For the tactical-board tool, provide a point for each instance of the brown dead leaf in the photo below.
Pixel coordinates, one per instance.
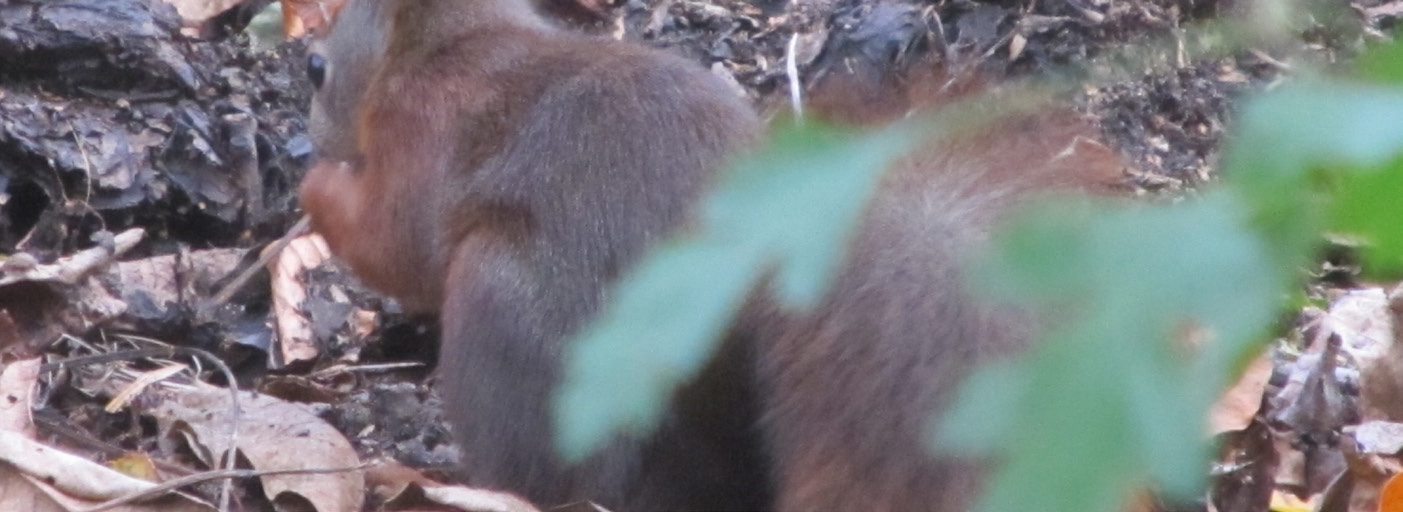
(1391, 496)
(41, 299)
(402, 487)
(302, 17)
(35, 477)
(273, 435)
(70, 474)
(16, 396)
(298, 388)
(1246, 470)
(294, 329)
(1237, 406)
(158, 284)
(154, 281)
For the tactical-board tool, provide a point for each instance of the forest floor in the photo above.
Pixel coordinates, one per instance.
(111, 120)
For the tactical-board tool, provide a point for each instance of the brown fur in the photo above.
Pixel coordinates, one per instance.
(478, 162)
(850, 390)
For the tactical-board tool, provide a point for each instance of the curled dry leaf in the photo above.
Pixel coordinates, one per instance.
(400, 486)
(294, 329)
(1350, 370)
(1363, 321)
(35, 477)
(16, 396)
(273, 435)
(42, 301)
(476, 500)
(1315, 402)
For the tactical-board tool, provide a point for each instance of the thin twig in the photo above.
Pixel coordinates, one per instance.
(791, 70)
(271, 252)
(227, 474)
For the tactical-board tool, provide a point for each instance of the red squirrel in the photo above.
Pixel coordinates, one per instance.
(480, 162)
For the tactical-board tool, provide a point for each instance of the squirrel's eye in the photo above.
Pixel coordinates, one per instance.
(316, 69)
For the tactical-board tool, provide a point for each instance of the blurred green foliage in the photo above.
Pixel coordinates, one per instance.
(1114, 397)
(788, 207)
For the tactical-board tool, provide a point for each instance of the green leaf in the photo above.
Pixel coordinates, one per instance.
(1298, 129)
(1383, 64)
(989, 400)
(788, 208)
(1113, 397)
(1368, 204)
(801, 198)
(664, 325)
(1300, 126)
(265, 30)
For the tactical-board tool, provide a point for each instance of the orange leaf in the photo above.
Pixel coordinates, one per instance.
(1391, 497)
(301, 17)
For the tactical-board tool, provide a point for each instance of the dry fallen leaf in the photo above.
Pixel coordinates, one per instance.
(39, 478)
(16, 390)
(72, 268)
(1315, 401)
(1391, 496)
(403, 487)
(273, 435)
(294, 329)
(302, 17)
(1237, 406)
